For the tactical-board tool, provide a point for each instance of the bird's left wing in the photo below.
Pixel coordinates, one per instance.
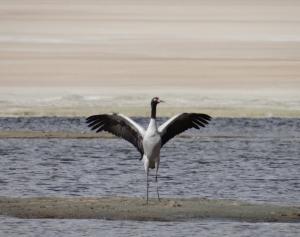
(181, 122)
(119, 125)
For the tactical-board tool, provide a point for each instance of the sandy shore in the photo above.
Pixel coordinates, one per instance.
(225, 58)
(127, 208)
(216, 44)
(215, 110)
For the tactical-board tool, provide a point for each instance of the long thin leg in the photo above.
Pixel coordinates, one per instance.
(156, 180)
(147, 184)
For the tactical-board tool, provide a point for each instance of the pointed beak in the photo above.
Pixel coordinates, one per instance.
(161, 101)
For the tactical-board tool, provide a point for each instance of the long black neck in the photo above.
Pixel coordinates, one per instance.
(153, 110)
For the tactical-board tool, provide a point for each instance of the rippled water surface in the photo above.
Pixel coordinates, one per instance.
(256, 160)
(91, 228)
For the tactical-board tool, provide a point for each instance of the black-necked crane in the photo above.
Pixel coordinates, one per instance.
(150, 141)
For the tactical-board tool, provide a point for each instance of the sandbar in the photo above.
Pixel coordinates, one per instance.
(134, 208)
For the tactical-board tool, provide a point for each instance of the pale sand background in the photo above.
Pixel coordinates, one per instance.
(223, 57)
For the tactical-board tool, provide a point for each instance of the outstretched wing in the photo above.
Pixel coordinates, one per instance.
(119, 125)
(181, 122)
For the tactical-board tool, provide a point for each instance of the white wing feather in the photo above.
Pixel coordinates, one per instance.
(166, 124)
(134, 124)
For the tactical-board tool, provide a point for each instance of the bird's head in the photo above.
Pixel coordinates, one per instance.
(156, 101)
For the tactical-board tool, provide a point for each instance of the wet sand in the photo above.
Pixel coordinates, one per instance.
(75, 135)
(47, 135)
(129, 208)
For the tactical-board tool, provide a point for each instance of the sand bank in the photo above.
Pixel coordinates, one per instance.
(47, 135)
(143, 111)
(105, 135)
(76, 135)
(129, 208)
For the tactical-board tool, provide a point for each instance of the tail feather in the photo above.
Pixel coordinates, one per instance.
(152, 164)
(148, 163)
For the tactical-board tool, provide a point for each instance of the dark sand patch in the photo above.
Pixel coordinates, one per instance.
(47, 135)
(128, 208)
(104, 135)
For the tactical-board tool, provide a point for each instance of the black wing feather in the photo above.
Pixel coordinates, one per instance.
(183, 122)
(118, 126)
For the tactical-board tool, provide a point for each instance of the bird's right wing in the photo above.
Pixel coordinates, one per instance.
(181, 122)
(119, 125)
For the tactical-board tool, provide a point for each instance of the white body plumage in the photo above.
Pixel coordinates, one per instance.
(151, 145)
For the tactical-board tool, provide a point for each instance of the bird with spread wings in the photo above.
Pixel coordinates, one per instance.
(150, 141)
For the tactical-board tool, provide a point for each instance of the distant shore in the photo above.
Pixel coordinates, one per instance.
(143, 111)
(223, 58)
(134, 101)
(129, 208)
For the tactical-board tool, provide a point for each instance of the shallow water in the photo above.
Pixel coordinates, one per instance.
(90, 228)
(256, 160)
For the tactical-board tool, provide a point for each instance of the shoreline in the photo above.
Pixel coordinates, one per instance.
(142, 111)
(19, 134)
(49, 135)
(131, 208)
